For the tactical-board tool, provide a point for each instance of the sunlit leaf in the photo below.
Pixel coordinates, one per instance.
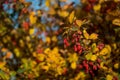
(79, 22)
(73, 57)
(45, 68)
(54, 39)
(2, 64)
(73, 65)
(41, 57)
(94, 48)
(93, 36)
(86, 35)
(96, 7)
(116, 22)
(63, 13)
(93, 57)
(116, 65)
(108, 47)
(104, 51)
(109, 77)
(71, 17)
(31, 31)
(88, 56)
(47, 3)
(32, 18)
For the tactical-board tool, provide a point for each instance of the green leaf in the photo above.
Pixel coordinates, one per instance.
(20, 70)
(93, 47)
(3, 75)
(13, 73)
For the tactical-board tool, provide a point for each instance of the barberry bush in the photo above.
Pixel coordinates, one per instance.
(60, 39)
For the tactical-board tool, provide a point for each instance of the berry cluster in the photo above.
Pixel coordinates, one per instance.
(76, 37)
(89, 66)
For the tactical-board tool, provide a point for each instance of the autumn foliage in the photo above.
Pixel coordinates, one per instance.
(60, 39)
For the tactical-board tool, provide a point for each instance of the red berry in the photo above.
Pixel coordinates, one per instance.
(91, 1)
(80, 66)
(78, 47)
(94, 67)
(74, 35)
(80, 51)
(91, 72)
(75, 48)
(98, 60)
(98, 66)
(76, 39)
(115, 78)
(64, 71)
(100, 46)
(91, 63)
(88, 7)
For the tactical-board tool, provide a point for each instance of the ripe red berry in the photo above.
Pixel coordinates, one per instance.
(91, 63)
(94, 67)
(78, 47)
(80, 66)
(91, 72)
(75, 48)
(91, 1)
(98, 66)
(88, 7)
(98, 60)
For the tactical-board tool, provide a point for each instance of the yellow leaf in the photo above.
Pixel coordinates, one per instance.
(116, 66)
(51, 11)
(102, 66)
(80, 76)
(31, 31)
(116, 22)
(114, 45)
(108, 47)
(94, 57)
(101, 1)
(41, 57)
(73, 57)
(47, 50)
(97, 7)
(55, 49)
(116, 0)
(88, 56)
(34, 54)
(28, 38)
(54, 39)
(104, 51)
(79, 22)
(2, 64)
(86, 35)
(63, 13)
(32, 18)
(59, 70)
(71, 17)
(48, 40)
(93, 36)
(47, 3)
(109, 77)
(45, 68)
(73, 65)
